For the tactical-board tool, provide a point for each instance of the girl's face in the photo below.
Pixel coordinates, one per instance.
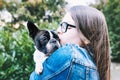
(67, 31)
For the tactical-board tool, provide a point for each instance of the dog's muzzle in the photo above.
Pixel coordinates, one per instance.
(52, 45)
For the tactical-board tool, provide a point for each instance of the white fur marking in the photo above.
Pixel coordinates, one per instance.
(51, 36)
(39, 58)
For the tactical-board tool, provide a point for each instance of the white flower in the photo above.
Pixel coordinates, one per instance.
(5, 16)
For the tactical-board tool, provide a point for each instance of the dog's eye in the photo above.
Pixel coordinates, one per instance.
(44, 38)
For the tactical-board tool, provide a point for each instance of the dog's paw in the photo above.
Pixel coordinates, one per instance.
(38, 69)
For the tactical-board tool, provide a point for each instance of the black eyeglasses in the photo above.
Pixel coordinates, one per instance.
(64, 26)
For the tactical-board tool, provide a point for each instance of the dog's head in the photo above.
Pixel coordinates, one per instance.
(45, 41)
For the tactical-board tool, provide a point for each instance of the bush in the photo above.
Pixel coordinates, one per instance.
(16, 47)
(16, 62)
(16, 52)
(112, 13)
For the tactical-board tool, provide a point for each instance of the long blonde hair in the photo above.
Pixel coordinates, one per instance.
(92, 24)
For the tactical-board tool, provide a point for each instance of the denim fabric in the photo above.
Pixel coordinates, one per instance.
(69, 62)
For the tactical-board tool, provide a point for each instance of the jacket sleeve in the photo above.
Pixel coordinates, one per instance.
(55, 66)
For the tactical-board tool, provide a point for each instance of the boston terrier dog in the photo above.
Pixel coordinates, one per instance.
(46, 42)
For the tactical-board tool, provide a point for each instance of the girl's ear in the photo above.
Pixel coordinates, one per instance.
(33, 30)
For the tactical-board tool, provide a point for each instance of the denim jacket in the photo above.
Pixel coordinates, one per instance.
(69, 62)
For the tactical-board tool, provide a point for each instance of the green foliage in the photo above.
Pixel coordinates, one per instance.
(15, 54)
(35, 11)
(112, 13)
(16, 47)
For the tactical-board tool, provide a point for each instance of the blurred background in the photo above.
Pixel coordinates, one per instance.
(16, 47)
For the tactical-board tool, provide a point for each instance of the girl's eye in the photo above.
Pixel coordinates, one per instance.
(69, 27)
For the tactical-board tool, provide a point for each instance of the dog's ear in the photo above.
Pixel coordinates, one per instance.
(33, 30)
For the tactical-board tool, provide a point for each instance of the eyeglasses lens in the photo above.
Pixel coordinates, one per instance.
(64, 26)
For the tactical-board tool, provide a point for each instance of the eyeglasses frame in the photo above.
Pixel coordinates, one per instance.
(66, 26)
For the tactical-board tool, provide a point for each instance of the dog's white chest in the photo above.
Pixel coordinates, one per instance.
(39, 58)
